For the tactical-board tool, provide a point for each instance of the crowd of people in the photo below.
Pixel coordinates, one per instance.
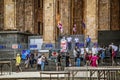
(95, 55)
(85, 56)
(33, 60)
(91, 55)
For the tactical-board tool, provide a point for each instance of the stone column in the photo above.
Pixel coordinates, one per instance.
(29, 15)
(20, 13)
(65, 15)
(104, 15)
(1, 14)
(90, 16)
(49, 21)
(9, 14)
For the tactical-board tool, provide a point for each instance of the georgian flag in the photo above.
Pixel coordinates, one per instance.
(74, 28)
(60, 27)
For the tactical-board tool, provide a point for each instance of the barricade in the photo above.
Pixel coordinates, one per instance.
(55, 74)
(95, 73)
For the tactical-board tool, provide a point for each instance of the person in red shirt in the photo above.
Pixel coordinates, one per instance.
(94, 60)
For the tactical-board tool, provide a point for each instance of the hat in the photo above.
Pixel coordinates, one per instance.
(18, 54)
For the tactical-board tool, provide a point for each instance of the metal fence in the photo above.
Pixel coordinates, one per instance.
(94, 73)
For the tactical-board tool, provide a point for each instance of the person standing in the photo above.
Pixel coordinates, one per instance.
(69, 42)
(88, 41)
(43, 62)
(113, 51)
(67, 60)
(94, 62)
(58, 62)
(27, 61)
(63, 45)
(18, 61)
(94, 50)
(39, 61)
(31, 60)
(78, 60)
(76, 41)
(75, 52)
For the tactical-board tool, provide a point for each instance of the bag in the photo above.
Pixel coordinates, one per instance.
(46, 62)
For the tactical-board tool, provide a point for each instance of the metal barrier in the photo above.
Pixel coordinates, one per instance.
(55, 74)
(94, 73)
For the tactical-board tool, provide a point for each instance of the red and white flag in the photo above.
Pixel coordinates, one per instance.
(60, 27)
(74, 28)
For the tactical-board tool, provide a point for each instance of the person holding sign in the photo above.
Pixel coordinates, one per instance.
(63, 45)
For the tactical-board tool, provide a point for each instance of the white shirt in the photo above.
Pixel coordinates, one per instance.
(76, 39)
(69, 39)
(87, 49)
(39, 61)
(114, 47)
(94, 50)
(75, 53)
(82, 50)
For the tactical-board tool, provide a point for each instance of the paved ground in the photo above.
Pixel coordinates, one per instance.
(36, 75)
(20, 75)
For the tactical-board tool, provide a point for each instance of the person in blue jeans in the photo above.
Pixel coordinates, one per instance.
(78, 60)
(42, 62)
(102, 55)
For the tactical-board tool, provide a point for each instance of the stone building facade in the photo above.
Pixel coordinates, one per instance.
(42, 16)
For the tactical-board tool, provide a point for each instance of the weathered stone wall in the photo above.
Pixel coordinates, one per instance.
(1, 14)
(20, 13)
(77, 16)
(9, 14)
(29, 15)
(115, 15)
(38, 14)
(65, 15)
(49, 21)
(91, 19)
(24, 15)
(103, 14)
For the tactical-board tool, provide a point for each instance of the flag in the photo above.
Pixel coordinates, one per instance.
(74, 28)
(60, 27)
(83, 25)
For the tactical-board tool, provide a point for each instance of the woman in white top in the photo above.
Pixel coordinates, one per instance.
(42, 62)
(39, 61)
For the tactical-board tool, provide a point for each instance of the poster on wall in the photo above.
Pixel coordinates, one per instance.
(35, 44)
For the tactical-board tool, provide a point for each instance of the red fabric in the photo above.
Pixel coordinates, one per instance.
(94, 61)
(113, 54)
